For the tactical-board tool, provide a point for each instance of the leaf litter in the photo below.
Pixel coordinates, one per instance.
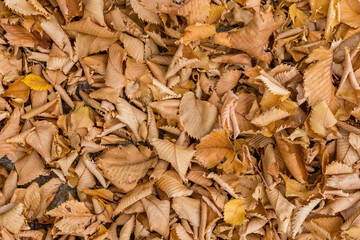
(186, 119)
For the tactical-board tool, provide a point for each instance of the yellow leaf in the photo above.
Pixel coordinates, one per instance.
(298, 17)
(36, 82)
(234, 212)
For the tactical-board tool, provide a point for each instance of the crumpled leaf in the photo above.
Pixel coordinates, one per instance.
(187, 208)
(300, 216)
(177, 155)
(349, 13)
(131, 116)
(144, 13)
(214, 148)
(19, 36)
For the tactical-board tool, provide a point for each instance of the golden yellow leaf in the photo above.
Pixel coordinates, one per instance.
(296, 189)
(234, 212)
(36, 82)
(214, 149)
(298, 17)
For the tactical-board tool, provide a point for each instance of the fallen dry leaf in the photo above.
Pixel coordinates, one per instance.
(194, 119)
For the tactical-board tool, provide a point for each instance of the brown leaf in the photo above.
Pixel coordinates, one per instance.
(177, 155)
(293, 158)
(253, 37)
(158, 212)
(124, 166)
(40, 139)
(214, 149)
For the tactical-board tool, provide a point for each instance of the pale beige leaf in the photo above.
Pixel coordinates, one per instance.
(133, 46)
(95, 10)
(114, 76)
(300, 216)
(127, 229)
(179, 233)
(273, 115)
(282, 207)
(195, 11)
(144, 13)
(19, 36)
(158, 212)
(349, 13)
(336, 167)
(87, 44)
(24, 7)
(170, 183)
(253, 37)
(40, 139)
(76, 219)
(177, 155)
(197, 116)
(86, 25)
(227, 81)
(344, 181)
(139, 192)
(13, 220)
(32, 200)
(187, 208)
(29, 167)
(321, 118)
(131, 116)
(124, 166)
(57, 34)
